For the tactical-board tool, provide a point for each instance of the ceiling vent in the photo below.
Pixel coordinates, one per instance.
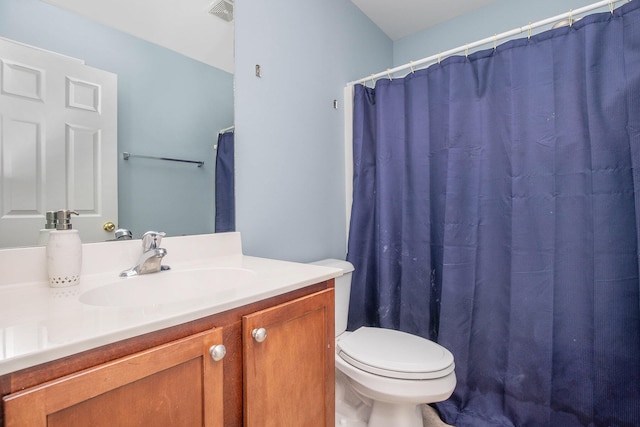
(223, 9)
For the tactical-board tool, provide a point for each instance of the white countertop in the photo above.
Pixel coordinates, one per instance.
(39, 323)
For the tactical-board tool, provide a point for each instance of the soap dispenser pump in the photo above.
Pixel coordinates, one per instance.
(64, 251)
(43, 238)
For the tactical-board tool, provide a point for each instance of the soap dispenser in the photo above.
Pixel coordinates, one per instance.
(64, 252)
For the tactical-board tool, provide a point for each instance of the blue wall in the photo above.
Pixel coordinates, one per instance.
(168, 105)
(289, 139)
(501, 16)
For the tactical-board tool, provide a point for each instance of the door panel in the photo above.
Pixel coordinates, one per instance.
(58, 143)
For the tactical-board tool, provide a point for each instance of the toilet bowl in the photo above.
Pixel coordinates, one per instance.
(384, 375)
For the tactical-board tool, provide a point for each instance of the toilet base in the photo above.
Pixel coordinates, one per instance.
(395, 414)
(355, 410)
(352, 409)
(384, 402)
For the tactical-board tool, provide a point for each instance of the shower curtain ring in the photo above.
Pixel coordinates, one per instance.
(570, 17)
(611, 7)
(389, 75)
(411, 67)
(466, 50)
(439, 54)
(529, 32)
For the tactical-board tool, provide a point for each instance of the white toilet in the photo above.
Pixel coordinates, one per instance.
(383, 375)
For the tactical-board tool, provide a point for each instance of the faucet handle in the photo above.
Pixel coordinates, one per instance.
(151, 240)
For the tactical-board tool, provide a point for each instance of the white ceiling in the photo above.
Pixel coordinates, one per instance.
(400, 18)
(186, 26)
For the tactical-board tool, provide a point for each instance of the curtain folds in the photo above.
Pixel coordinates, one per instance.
(496, 211)
(225, 184)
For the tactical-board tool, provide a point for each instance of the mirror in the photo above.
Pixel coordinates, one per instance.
(172, 102)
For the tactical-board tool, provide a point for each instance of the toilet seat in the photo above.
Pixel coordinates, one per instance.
(394, 354)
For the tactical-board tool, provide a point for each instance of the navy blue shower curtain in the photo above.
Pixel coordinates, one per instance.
(496, 211)
(225, 184)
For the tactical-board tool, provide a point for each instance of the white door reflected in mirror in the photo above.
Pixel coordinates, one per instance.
(58, 141)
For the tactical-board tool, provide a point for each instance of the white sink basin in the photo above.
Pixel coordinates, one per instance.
(168, 287)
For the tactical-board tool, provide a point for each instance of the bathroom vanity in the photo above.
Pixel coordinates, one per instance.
(260, 353)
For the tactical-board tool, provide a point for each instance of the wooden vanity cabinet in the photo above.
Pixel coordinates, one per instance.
(168, 377)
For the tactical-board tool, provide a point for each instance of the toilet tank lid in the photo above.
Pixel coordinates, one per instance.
(345, 266)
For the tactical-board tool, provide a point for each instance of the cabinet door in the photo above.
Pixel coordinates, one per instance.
(176, 384)
(289, 376)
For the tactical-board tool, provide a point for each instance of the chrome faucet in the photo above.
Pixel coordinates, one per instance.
(151, 258)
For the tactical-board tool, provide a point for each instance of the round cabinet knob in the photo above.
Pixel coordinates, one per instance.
(259, 334)
(108, 226)
(217, 352)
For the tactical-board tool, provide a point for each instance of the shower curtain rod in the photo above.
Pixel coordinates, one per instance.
(222, 132)
(225, 130)
(412, 65)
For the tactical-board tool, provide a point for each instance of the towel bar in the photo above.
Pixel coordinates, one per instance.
(126, 156)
